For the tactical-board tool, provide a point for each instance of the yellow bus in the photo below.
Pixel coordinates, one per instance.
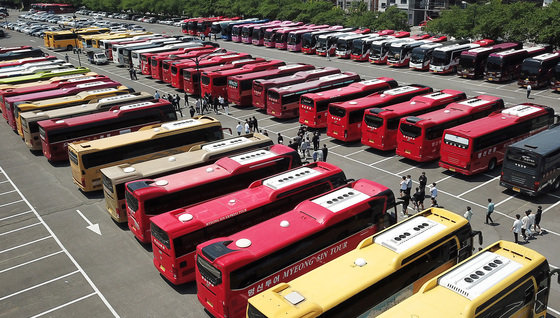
(503, 280)
(30, 120)
(96, 39)
(83, 97)
(383, 270)
(115, 177)
(68, 39)
(89, 157)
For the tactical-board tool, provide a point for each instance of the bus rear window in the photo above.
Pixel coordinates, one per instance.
(160, 235)
(209, 272)
(273, 96)
(522, 157)
(154, 62)
(131, 201)
(306, 101)
(232, 83)
(257, 88)
(73, 157)
(107, 183)
(337, 111)
(457, 141)
(205, 80)
(220, 81)
(410, 130)
(373, 121)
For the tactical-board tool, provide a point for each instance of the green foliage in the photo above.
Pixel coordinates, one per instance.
(393, 18)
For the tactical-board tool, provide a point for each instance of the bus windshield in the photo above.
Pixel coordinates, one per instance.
(522, 157)
(531, 67)
(357, 46)
(410, 130)
(160, 235)
(322, 42)
(307, 40)
(440, 58)
(293, 38)
(337, 111)
(417, 56)
(395, 51)
(468, 61)
(494, 64)
(342, 44)
(375, 50)
(373, 121)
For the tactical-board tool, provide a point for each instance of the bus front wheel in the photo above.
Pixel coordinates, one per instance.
(69, 48)
(492, 164)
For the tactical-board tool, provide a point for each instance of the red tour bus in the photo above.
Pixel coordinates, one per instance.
(175, 78)
(473, 62)
(177, 69)
(156, 67)
(344, 121)
(361, 47)
(259, 32)
(67, 89)
(41, 87)
(56, 134)
(295, 38)
(506, 65)
(240, 87)
(191, 76)
(247, 30)
(538, 71)
(281, 36)
(150, 197)
(176, 234)
(167, 64)
(283, 102)
(480, 145)
(215, 83)
(380, 125)
(14, 48)
(261, 87)
(309, 39)
(231, 269)
(419, 137)
(146, 58)
(313, 107)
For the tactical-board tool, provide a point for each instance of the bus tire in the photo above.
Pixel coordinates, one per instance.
(69, 48)
(492, 164)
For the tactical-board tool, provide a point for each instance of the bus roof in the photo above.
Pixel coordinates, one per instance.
(297, 87)
(542, 143)
(270, 187)
(305, 219)
(79, 96)
(279, 70)
(127, 138)
(373, 99)
(427, 99)
(499, 120)
(546, 56)
(456, 47)
(452, 111)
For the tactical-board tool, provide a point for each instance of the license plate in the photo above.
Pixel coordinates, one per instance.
(162, 268)
(371, 141)
(273, 112)
(407, 151)
(306, 121)
(452, 169)
(336, 132)
(490, 78)
(516, 189)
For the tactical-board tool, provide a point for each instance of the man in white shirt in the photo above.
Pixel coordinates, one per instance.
(525, 224)
(239, 128)
(403, 186)
(516, 228)
(433, 194)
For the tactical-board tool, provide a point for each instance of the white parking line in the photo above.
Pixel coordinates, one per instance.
(62, 306)
(25, 244)
(443, 179)
(3, 181)
(550, 207)
(355, 152)
(505, 200)
(21, 228)
(379, 161)
(29, 262)
(7, 192)
(15, 215)
(38, 285)
(14, 202)
(478, 186)
(401, 172)
(61, 247)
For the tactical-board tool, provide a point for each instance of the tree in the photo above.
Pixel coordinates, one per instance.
(393, 18)
(360, 16)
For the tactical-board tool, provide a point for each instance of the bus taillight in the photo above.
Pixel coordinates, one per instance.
(536, 186)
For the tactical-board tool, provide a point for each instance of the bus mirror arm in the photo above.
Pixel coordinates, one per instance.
(556, 271)
(228, 129)
(479, 234)
(350, 180)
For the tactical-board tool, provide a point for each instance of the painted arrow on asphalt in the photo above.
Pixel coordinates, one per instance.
(93, 227)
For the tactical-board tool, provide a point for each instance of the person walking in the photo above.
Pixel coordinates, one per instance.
(255, 124)
(406, 201)
(198, 106)
(247, 127)
(489, 211)
(280, 139)
(538, 216)
(134, 73)
(423, 180)
(293, 145)
(225, 105)
(531, 227)
(192, 111)
(250, 122)
(315, 140)
(305, 148)
(325, 152)
(516, 228)
(418, 198)
(408, 185)
(239, 128)
(525, 224)
(468, 214)
(186, 96)
(130, 74)
(66, 58)
(528, 91)
(178, 100)
(216, 105)
(156, 95)
(433, 195)
(265, 132)
(403, 186)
